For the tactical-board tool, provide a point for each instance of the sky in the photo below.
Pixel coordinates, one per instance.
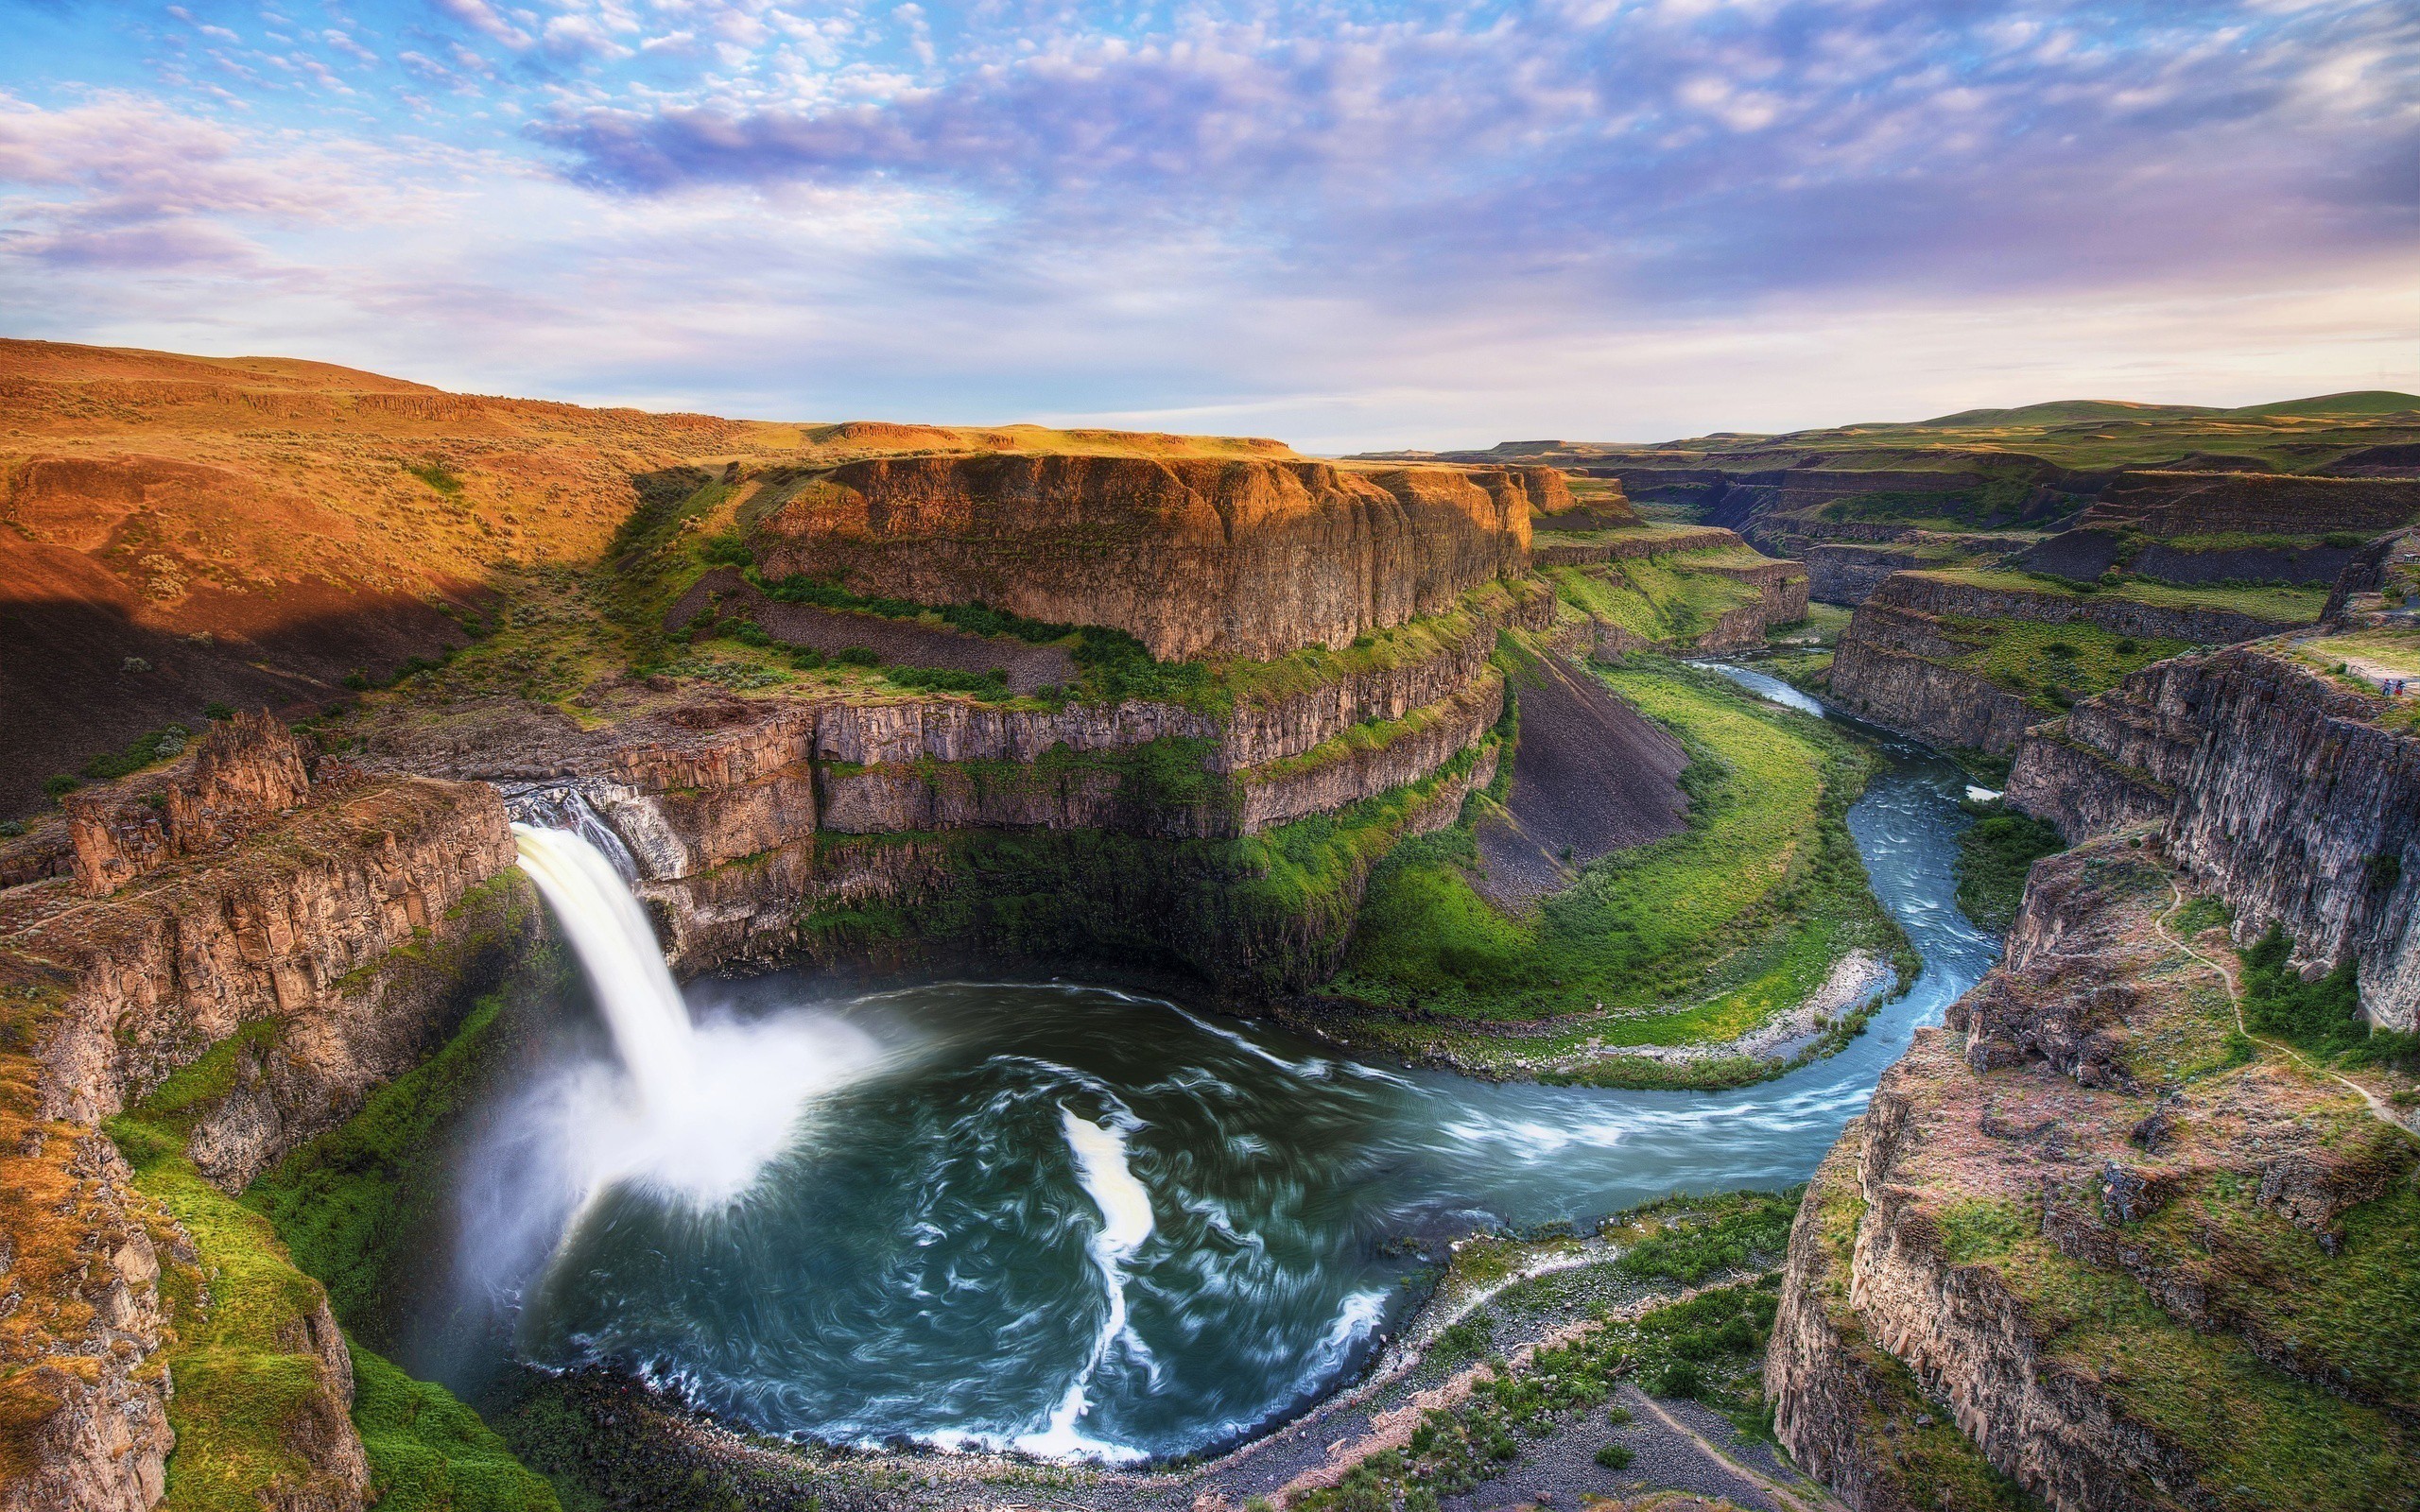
(1347, 225)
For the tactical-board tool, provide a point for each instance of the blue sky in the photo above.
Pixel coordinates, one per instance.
(1344, 224)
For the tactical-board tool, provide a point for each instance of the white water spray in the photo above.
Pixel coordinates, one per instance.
(616, 947)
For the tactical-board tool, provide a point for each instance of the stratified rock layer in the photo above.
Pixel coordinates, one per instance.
(1892, 663)
(1192, 557)
(334, 932)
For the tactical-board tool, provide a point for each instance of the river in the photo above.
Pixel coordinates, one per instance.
(1080, 1222)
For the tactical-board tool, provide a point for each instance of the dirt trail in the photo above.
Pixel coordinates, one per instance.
(2235, 1001)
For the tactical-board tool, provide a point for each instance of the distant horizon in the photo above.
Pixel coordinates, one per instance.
(996, 422)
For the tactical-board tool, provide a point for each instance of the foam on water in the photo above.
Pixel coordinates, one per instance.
(1100, 1152)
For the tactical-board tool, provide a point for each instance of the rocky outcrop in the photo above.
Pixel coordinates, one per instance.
(2039, 1226)
(250, 769)
(2279, 788)
(1893, 666)
(84, 1422)
(1192, 557)
(1848, 572)
(302, 945)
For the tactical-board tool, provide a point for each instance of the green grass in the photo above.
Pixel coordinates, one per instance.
(1267, 914)
(1994, 854)
(249, 1394)
(428, 1452)
(2323, 1017)
(350, 1203)
(1697, 937)
(2258, 1437)
(1740, 1231)
(2051, 666)
(1660, 598)
(2297, 604)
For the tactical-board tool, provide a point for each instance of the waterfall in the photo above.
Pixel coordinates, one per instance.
(615, 944)
(563, 806)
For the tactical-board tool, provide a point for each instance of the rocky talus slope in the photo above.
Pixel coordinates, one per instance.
(1191, 556)
(271, 947)
(2277, 786)
(2085, 1242)
(1894, 662)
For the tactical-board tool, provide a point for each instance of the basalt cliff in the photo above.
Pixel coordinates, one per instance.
(1931, 652)
(1192, 557)
(2273, 785)
(2125, 1233)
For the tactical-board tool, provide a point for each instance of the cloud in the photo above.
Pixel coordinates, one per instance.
(122, 183)
(484, 18)
(1676, 154)
(1339, 221)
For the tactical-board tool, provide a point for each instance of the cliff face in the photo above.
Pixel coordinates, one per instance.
(1192, 557)
(2280, 789)
(310, 952)
(2070, 1201)
(1892, 665)
(250, 770)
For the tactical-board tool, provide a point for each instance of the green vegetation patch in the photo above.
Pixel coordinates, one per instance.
(1993, 855)
(350, 1203)
(2323, 1017)
(1695, 939)
(250, 1394)
(428, 1452)
(2285, 603)
(2051, 666)
(1660, 598)
(2258, 1437)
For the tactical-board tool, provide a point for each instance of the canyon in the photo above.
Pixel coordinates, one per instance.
(1202, 716)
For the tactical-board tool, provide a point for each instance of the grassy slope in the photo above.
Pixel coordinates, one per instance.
(1993, 855)
(246, 1386)
(2050, 666)
(1696, 939)
(1660, 598)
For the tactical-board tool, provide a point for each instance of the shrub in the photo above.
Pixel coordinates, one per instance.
(806, 658)
(216, 710)
(2325, 1016)
(357, 680)
(437, 475)
(726, 551)
(1616, 1456)
(857, 655)
(1680, 1378)
(2341, 539)
(11, 829)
